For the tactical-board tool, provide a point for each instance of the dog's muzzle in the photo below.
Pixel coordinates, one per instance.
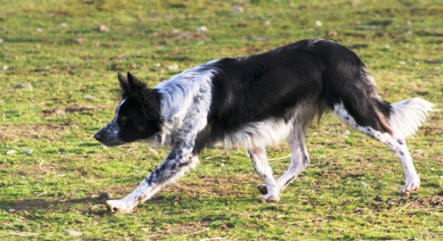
(108, 135)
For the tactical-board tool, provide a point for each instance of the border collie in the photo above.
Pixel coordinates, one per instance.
(253, 102)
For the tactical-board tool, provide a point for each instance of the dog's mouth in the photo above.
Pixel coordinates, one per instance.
(108, 141)
(112, 143)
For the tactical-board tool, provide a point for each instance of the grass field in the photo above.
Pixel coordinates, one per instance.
(58, 87)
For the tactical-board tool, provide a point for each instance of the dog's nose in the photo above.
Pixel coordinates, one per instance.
(98, 136)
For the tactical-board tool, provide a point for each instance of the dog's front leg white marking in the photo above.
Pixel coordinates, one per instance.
(261, 165)
(178, 161)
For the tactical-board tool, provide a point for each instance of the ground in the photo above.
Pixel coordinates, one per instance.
(58, 67)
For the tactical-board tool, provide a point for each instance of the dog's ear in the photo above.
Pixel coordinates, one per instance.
(135, 83)
(131, 85)
(124, 84)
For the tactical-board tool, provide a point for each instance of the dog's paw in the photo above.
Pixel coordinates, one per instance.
(411, 186)
(262, 188)
(269, 198)
(118, 206)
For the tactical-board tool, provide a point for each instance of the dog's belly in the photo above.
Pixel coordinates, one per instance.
(272, 130)
(261, 133)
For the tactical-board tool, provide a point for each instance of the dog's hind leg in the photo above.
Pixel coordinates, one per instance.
(262, 167)
(397, 145)
(172, 168)
(299, 157)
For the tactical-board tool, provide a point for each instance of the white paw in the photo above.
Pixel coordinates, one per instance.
(411, 186)
(118, 206)
(262, 188)
(269, 198)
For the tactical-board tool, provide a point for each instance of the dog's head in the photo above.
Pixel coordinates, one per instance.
(137, 116)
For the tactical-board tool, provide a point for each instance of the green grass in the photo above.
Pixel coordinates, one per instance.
(349, 192)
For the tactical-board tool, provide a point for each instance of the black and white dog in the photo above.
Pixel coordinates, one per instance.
(255, 101)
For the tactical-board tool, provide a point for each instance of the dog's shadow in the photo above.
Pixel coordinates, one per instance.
(89, 205)
(93, 205)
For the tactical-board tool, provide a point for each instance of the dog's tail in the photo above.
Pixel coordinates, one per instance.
(357, 93)
(360, 99)
(408, 115)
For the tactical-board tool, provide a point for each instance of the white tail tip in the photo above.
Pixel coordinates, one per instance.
(408, 115)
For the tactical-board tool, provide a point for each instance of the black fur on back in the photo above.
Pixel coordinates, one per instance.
(318, 73)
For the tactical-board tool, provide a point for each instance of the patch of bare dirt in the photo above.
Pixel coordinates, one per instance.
(400, 204)
(434, 201)
(184, 229)
(219, 186)
(179, 35)
(71, 109)
(358, 170)
(12, 132)
(5, 136)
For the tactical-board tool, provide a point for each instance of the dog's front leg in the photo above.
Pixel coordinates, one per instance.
(178, 161)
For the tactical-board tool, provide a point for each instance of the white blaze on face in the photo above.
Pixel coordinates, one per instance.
(117, 110)
(113, 126)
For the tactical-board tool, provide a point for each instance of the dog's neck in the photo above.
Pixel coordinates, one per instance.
(177, 95)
